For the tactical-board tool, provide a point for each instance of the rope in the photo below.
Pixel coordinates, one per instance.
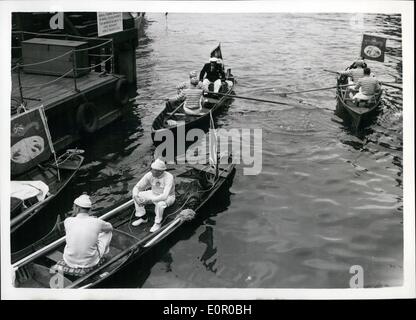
(45, 61)
(94, 47)
(100, 55)
(50, 82)
(96, 65)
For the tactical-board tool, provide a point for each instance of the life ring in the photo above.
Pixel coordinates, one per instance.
(87, 117)
(121, 93)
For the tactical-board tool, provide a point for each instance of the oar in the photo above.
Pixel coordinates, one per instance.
(252, 99)
(387, 84)
(174, 111)
(393, 85)
(332, 71)
(283, 94)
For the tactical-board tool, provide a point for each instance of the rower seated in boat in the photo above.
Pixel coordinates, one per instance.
(351, 76)
(212, 74)
(161, 194)
(187, 85)
(190, 95)
(354, 72)
(87, 238)
(368, 87)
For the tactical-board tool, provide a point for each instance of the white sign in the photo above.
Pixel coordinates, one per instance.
(109, 22)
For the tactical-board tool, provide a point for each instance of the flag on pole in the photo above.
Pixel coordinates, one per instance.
(373, 47)
(213, 149)
(216, 53)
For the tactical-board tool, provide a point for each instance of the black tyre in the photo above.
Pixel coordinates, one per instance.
(121, 93)
(87, 117)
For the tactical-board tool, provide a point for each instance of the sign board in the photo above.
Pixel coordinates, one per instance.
(373, 48)
(30, 140)
(109, 22)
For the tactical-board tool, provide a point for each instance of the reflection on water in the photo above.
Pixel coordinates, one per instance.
(325, 200)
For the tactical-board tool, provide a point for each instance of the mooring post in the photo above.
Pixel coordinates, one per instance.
(20, 82)
(112, 56)
(74, 70)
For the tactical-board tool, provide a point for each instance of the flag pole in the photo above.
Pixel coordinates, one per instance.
(48, 134)
(214, 145)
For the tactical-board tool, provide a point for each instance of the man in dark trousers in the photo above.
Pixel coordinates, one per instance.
(213, 74)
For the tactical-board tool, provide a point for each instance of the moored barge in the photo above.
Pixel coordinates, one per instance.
(83, 79)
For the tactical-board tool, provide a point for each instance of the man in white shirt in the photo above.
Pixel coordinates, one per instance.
(368, 87)
(161, 193)
(87, 238)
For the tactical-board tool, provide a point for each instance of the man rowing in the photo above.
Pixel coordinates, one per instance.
(212, 73)
(87, 238)
(185, 85)
(368, 87)
(191, 97)
(190, 93)
(355, 71)
(161, 194)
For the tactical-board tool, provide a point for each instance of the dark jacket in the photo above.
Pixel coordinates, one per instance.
(216, 74)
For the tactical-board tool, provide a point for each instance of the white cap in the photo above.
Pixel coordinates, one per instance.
(158, 165)
(83, 201)
(213, 59)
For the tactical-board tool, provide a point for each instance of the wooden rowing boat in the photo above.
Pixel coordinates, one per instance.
(356, 115)
(55, 175)
(194, 186)
(173, 119)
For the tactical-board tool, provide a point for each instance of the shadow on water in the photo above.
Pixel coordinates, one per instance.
(136, 274)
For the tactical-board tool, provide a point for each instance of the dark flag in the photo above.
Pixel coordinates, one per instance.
(31, 143)
(216, 53)
(373, 48)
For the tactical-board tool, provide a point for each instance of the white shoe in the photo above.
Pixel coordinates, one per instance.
(138, 222)
(155, 227)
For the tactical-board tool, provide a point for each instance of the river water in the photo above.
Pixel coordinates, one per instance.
(325, 200)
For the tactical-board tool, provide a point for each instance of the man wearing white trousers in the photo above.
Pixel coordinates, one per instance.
(211, 73)
(161, 194)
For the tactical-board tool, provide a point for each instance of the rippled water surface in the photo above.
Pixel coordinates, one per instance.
(326, 199)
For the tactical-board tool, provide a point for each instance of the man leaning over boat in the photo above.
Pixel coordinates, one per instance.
(161, 194)
(87, 238)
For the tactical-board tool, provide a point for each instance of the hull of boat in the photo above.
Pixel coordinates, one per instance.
(356, 117)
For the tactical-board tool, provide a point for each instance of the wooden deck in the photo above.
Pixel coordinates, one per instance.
(56, 92)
